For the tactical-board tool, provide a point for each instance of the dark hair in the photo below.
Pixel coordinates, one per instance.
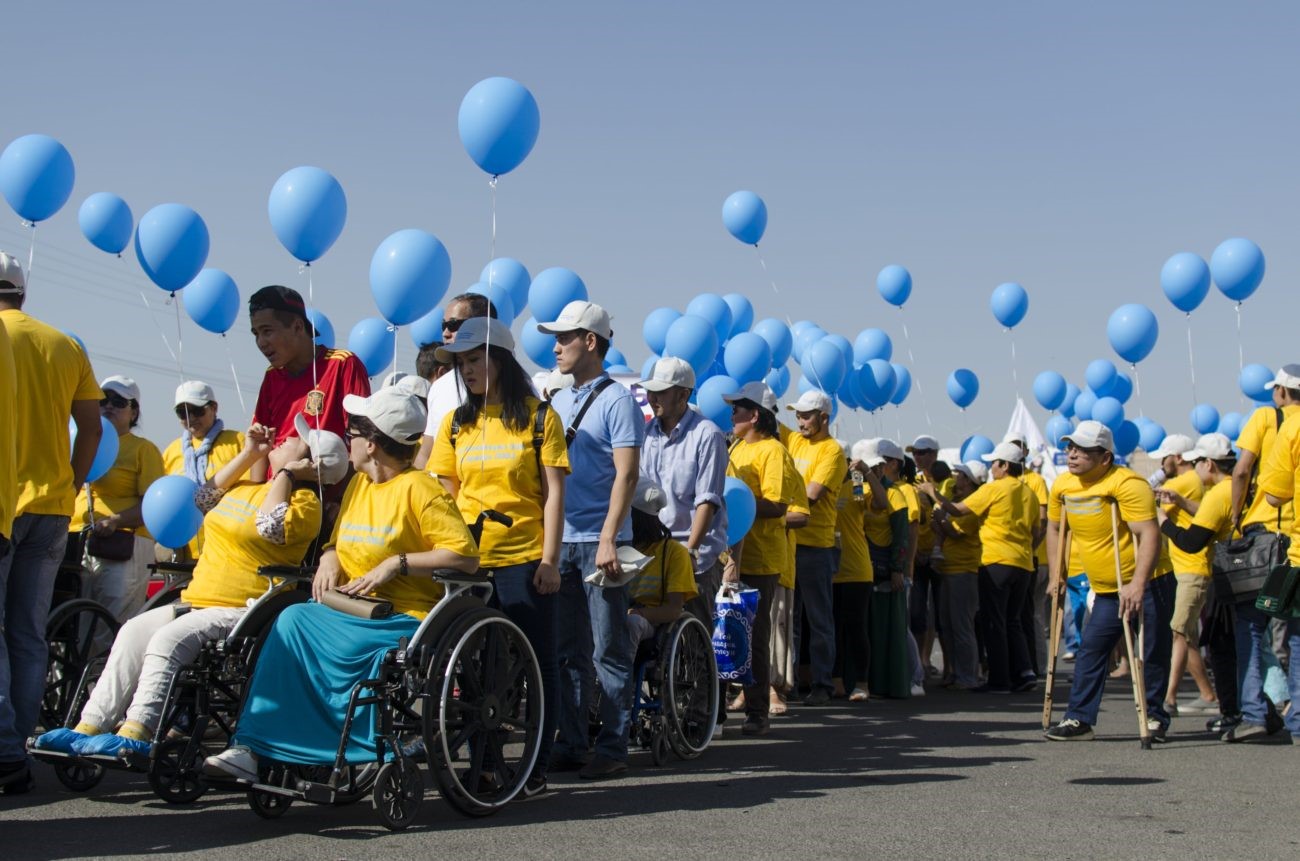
(1015, 470)
(135, 419)
(515, 388)
(940, 471)
(1226, 465)
(479, 305)
(908, 471)
(766, 421)
(1292, 394)
(426, 362)
(389, 446)
(602, 345)
(280, 299)
(647, 528)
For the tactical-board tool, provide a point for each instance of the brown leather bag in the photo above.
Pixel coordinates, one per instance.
(359, 606)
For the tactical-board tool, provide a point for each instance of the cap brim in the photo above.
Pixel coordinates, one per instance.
(736, 398)
(354, 405)
(300, 425)
(876, 460)
(557, 328)
(657, 385)
(988, 458)
(193, 403)
(119, 389)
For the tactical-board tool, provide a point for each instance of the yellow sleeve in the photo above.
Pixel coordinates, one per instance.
(149, 466)
(1251, 437)
(1215, 512)
(442, 460)
(1054, 499)
(1039, 488)
(1277, 473)
(87, 388)
(830, 468)
(303, 519)
(442, 526)
(981, 500)
(554, 450)
(173, 462)
(1137, 502)
(774, 483)
(681, 573)
(895, 499)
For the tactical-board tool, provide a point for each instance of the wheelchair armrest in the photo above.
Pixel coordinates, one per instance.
(186, 568)
(300, 573)
(452, 575)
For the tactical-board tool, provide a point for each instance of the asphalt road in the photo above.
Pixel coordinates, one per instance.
(948, 775)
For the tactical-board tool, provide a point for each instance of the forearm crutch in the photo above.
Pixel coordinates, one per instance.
(1056, 620)
(1134, 660)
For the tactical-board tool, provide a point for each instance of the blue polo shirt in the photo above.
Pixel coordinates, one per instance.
(614, 421)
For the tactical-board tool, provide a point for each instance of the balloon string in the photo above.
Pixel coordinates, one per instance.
(771, 280)
(180, 343)
(166, 343)
(1015, 376)
(234, 378)
(1137, 386)
(1241, 354)
(31, 252)
(916, 375)
(1191, 358)
(898, 426)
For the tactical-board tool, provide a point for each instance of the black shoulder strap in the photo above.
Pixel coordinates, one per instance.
(1277, 411)
(1254, 472)
(572, 430)
(539, 433)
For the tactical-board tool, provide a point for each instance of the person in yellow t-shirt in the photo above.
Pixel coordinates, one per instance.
(923, 597)
(758, 459)
(120, 584)
(658, 592)
(821, 465)
(1035, 608)
(1255, 443)
(851, 593)
(396, 525)
(1107, 507)
(8, 461)
(204, 446)
(489, 455)
(959, 567)
(250, 525)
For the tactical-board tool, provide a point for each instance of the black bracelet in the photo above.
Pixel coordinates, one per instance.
(284, 471)
(402, 567)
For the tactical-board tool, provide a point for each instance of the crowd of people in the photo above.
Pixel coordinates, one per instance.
(879, 570)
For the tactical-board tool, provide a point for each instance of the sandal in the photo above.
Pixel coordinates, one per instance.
(859, 695)
(776, 705)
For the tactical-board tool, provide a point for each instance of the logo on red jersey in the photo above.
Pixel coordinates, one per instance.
(315, 403)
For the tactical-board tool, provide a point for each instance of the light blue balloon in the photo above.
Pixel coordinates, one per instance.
(1083, 405)
(778, 337)
(804, 339)
(619, 369)
(902, 384)
(1057, 426)
(1151, 434)
(499, 297)
(105, 453)
(805, 385)
(741, 509)
(1127, 437)
(325, 329)
(498, 124)
(742, 313)
(409, 274)
(872, 344)
(510, 274)
(552, 289)
(1049, 390)
(1254, 382)
(1009, 303)
(709, 399)
(1071, 395)
(169, 511)
(778, 380)
(693, 340)
(308, 209)
(1205, 418)
(106, 222)
(655, 328)
(1132, 330)
(715, 309)
(374, 343)
(428, 329)
(849, 394)
(1100, 375)
(963, 387)
(845, 348)
(1185, 278)
(1109, 412)
(799, 325)
(876, 382)
(744, 214)
(171, 243)
(212, 300)
(747, 357)
(539, 346)
(36, 176)
(1230, 425)
(1122, 389)
(648, 368)
(894, 283)
(1238, 267)
(615, 357)
(974, 447)
(824, 364)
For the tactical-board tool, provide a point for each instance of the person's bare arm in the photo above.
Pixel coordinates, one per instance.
(701, 520)
(85, 415)
(664, 613)
(626, 463)
(547, 578)
(1146, 534)
(422, 456)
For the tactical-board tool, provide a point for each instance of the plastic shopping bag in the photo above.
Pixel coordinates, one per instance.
(734, 610)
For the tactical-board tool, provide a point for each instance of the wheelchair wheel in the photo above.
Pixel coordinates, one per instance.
(483, 736)
(398, 793)
(659, 748)
(73, 664)
(268, 805)
(690, 687)
(79, 776)
(175, 774)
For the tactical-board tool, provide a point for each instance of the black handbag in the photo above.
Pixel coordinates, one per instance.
(1241, 566)
(117, 546)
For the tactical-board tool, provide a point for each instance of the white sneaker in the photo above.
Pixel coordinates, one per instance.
(918, 690)
(237, 762)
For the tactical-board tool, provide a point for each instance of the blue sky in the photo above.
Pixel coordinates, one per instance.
(1070, 149)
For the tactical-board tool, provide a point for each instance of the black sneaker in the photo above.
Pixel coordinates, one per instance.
(989, 689)
(1159, 732)
(603, 768)
(16, 779)
(1069, 730)
(754, 725)
(817, 697)
(535, 788)
(560, 763)
(1028, 683)
(1223, 723)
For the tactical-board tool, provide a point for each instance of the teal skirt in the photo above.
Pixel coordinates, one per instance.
(298, 696)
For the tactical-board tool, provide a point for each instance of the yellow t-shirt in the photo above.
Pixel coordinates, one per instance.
(855, 561)
(51, 372)
(1087, 508)
(497, 469)
(1190, 486)
(925, 532)
(226, 574)
(227, 445)
(1038, 487)
(875, 524)
(669, 571)
(821, 462)
(1278, 474)
(799, 506)
(410, 513)
(762, 466)
(1257, 436)
(963, 552)
(1215, 514)
(138, 465)
(1008, 513)
(8, 460)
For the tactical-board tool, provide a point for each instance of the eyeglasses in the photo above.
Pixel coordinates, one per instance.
(186, 411)
(453, 325)
(351, 434)
(117, 402)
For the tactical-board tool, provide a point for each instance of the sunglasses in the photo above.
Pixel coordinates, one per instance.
(185, 411)
(117, 402)
(453, 325)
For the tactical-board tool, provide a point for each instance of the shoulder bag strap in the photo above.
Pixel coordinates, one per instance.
(572, 430)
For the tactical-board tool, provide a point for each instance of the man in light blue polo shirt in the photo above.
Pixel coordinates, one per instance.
(605, 429)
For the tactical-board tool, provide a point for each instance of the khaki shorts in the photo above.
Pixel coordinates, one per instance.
(1189, 599)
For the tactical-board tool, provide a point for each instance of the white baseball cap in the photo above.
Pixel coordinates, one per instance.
(1091, 434)
(890, 449)
(757, 392)
(924, 442)
(395, 413)
(977, 472)
(1288, 377)
(328, 451)
(1016, 437)
(577, 315)
(11, 271)
(812, 401)
(555, 381)
(1211, 446)
(1007, 451)
(649, 497)
(1174, 443)
(667, 373)
(868, 451)
(124, 386)
(196, 393)
(411, 384)
(474, 333)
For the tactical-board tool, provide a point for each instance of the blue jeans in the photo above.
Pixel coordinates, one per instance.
(515, 595)
(1254, 659)
(594, 647)
(1092, 664)
(27, 583)
(1076, 589)
(814, 570)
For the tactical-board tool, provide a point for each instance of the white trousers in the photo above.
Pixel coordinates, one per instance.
(147, 653)
(120, 586)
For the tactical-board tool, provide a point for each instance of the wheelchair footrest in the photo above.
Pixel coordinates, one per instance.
(317, 793)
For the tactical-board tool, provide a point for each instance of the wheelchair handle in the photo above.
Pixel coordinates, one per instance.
(452, 575)
(172, 567)
(300, 573)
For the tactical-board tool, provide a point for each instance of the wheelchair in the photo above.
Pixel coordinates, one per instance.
(676, 699)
